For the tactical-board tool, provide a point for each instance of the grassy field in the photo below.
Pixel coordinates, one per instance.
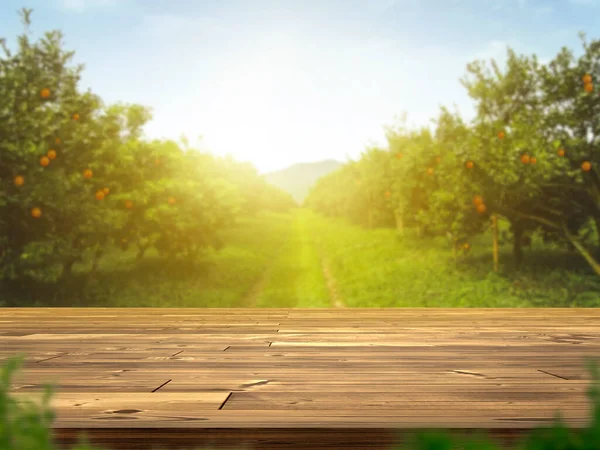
(293, 260)
(377, 268)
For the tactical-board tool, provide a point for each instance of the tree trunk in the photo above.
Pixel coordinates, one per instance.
(495, 241)
(595, 265)
(454, 249)
(597, 225)
(67, 270)
(517, 230)
(141, 251)
(400, 222)
(97, 255)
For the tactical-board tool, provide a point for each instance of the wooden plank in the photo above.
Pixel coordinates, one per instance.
(142, 406)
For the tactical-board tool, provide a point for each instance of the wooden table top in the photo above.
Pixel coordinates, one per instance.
(375, 368)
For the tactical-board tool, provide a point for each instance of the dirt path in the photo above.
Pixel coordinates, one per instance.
(252, 296)
(298, 273)
(332, 287)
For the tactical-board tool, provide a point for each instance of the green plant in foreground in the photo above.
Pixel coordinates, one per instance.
(26, 426)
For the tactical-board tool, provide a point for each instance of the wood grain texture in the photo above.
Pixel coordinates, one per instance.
(300, 378)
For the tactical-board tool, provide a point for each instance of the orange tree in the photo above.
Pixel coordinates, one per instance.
(509, 151)
(76, 177)
(375, 187)
(415, 161)
(572, 109)
(341, 194)
(548, 114)
(454, 204)
(50, 134)
(165, 203)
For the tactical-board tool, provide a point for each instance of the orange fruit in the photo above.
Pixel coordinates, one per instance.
(128, 204)
(106, 191)
(469, 164)
(586, 166)
(45, 93)
(589, 87)
(467, 246)
(44, 161)
(481, 208)
(100, 195)
(171, 200)
(533, 160)
(478, 200)
(57, 140)
(36, 212)
(19, 180)
(51, 154)
(75, 116)
(561, 152)
(399, 155)
(525, 159)
(87, 173)
(438, 159)
(501, 134)
(587, 78)
(430, 170)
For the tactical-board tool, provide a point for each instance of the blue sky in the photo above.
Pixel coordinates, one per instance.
(276, 82)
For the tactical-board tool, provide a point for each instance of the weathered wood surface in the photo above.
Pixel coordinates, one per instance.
(253, 371)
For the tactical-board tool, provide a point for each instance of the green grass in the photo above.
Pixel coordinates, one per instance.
(377, 268)
(274, 260)
(27, 425)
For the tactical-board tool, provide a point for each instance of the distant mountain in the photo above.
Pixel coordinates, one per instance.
(299, 178)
